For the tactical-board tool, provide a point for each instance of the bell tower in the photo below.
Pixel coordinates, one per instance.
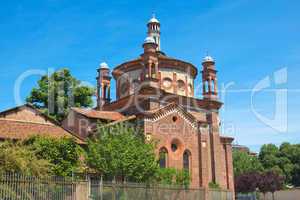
(103, 85)
(154, 31)
(150, 59)
(209, 79)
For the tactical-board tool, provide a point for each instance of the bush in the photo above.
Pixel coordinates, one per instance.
(17, 158)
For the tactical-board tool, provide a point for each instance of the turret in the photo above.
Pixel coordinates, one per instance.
(209, 78)
(154, 31)
(150, 59)
(103, 85)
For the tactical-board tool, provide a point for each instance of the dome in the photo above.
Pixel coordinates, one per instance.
(104, 65)
(149, 40)
(153, 20)
(208, 59)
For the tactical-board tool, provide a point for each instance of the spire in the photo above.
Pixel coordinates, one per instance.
(154, 30)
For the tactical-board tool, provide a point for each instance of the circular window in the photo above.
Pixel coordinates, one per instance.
(167, 83)
(174, 119)
(181, 85)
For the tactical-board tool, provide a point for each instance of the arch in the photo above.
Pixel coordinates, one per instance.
(163, 157)
(213, 86)
(186, 160)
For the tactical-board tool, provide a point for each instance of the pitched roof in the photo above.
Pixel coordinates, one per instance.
(29, 123)
(97, 114)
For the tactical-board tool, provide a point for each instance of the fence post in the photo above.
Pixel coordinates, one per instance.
(89, 186)
(101, 188)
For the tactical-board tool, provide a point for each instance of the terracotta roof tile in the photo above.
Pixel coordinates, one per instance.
(11, 129)
(96, 114)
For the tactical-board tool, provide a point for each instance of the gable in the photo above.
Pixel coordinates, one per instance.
(172, 110)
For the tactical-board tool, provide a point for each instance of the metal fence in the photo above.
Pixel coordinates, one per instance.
(215, 194)
(18, 187)
(131, 191)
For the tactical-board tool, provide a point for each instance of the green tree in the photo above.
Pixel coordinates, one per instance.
(120, 151)
(290, 162)
(245, 163)
(17, 158)
(269, 156)
(172, 176)
(284, 160)
(63, 153)
(58, 92)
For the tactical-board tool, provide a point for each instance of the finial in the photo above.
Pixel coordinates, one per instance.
(153, 19)
(208, 58)
(207, 54)
(153, 15)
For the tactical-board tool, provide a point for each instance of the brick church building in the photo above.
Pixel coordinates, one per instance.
(158, 91)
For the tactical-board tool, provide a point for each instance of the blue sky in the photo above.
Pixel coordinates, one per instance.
(249, 39)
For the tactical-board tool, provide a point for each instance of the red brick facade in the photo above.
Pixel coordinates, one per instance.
(159, 91)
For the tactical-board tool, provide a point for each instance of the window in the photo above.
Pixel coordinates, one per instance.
(190, 89)
(174, 118)
(212, 85)
(124, 88)
(163, 157)
(175, 145)
(167, 83)
(135, 84)
(186, 160)
(180, 85)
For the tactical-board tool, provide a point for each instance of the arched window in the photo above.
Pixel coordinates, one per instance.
(206, 87)
(163, 157)
(212, 85)
(187, 160)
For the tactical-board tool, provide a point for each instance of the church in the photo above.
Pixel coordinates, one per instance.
(158, 91)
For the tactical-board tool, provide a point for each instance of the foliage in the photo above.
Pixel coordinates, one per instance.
(270, 182)
(64, 154)
(171, 176)
(120, 151)
(17, 158)
(245, 163)
(284, 160)
(247, 182)
(58, 92)
(214, 185)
